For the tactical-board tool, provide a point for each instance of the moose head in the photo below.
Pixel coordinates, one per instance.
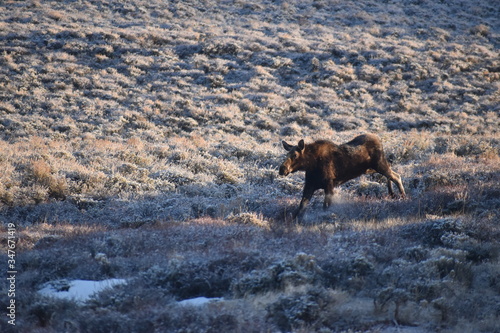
(294, 159)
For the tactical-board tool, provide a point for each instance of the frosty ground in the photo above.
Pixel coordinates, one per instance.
(140, 140)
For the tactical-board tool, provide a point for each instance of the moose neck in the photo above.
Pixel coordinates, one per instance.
(319, 154)
(310, 161)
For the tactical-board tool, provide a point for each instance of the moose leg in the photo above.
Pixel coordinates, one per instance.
(396, 178)
(384, 169)
(306, 197)
(389, 187)
(328, 196)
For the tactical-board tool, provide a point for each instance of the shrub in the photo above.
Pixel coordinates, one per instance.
(191, 279)
(301, 270)
(248, 219)
(299, 310)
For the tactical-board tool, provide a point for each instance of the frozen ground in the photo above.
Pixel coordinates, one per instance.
(140, 140)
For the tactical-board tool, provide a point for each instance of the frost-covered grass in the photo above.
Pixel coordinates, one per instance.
(148, 133)
(435, 273)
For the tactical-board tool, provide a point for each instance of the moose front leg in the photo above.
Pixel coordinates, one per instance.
(306, 197)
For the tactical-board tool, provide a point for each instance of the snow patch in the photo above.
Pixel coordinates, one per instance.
(77, 290)
(199, 301)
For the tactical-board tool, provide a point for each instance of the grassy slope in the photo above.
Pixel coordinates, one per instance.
(150, 131)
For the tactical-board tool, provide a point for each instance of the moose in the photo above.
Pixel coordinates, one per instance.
(328, 165)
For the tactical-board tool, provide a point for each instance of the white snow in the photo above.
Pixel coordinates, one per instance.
(198, 301)
(81, 290)
(77, 290)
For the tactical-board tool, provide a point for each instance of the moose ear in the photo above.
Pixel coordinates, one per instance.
(301, 145)
(287, 146)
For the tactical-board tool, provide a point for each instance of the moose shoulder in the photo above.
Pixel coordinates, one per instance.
(328, 165)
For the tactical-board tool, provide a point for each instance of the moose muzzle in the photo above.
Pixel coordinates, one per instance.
(284, 171)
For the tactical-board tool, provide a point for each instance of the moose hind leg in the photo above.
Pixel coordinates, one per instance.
(328, 197)
(396, 178)
(384, 169)
(389, 187)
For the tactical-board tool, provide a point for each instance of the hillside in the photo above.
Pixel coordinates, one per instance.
(141, 140)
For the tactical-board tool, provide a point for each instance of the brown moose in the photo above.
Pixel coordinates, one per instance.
(328, 165)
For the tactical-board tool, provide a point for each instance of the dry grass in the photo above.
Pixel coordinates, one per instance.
(150, 131)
